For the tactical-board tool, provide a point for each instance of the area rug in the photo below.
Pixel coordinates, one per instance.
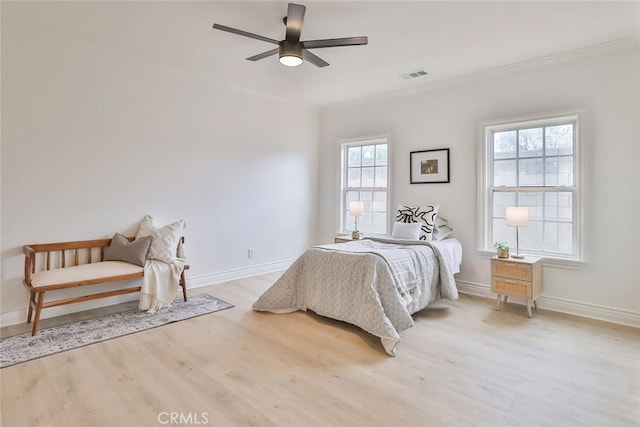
(21, 348)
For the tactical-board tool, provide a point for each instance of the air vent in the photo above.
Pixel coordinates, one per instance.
(414, 74)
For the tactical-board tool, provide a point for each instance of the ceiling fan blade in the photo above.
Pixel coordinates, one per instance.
(295, 18)
(244, 33)
(315, 60)
(263, 54)
(345, 41)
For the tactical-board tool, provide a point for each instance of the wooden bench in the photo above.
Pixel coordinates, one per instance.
(64, 265)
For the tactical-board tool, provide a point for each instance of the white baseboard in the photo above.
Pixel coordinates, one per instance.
(562, 305)
(238, 273)
(20, 316)
(477, 289)
(13, 317)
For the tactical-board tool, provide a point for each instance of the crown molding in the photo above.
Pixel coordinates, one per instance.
(562, 57)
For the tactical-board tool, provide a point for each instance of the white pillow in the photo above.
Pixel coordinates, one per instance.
(424, 215)
(441, 233)
(440, 221)
(406, 230)
(164, 245)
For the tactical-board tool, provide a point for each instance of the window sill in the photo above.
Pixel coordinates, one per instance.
(547, 261)
(564, 263)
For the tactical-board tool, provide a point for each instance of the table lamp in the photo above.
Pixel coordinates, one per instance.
(517, 217)
(355, 210)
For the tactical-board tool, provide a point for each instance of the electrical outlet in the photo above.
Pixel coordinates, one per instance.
(250, 253)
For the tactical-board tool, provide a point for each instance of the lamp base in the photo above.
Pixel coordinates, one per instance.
(355, 235)
(517, 256)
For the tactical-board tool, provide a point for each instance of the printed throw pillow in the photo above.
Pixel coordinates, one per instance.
(121, 249)
(424, 215)
(164, 245)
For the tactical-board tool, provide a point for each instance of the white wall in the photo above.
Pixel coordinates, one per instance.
(94, 138)
(605, 82)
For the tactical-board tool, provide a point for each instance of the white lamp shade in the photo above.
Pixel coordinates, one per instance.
(356, 208)
(517, 217)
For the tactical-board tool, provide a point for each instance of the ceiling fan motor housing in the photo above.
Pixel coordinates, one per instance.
(288, 48)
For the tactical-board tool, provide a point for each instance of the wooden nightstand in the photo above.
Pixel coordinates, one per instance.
(518, 278)
(344, 238)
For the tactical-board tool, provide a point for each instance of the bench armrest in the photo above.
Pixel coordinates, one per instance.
(29, 263)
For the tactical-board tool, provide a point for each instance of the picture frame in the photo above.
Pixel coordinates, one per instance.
(429, 166)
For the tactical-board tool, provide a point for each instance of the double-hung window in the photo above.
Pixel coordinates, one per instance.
(364, 177)
(532, 163)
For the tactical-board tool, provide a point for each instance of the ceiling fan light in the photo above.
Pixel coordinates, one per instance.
(290, 54)
(290, 60)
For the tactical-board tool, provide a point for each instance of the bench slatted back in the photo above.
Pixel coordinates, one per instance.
(34, 253)
(46, 253)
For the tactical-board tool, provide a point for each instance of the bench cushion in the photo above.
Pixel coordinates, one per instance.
(84, 272)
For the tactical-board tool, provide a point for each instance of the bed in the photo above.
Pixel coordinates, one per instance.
(374, 283)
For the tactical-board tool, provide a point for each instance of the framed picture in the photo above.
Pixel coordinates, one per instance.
(429, 166)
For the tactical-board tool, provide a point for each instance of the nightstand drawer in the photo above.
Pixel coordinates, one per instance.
(516, 288)
(512, 270)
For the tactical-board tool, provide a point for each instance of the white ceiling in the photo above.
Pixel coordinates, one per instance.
(446, 39)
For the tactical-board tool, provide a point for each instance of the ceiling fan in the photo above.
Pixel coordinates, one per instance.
(291, 50)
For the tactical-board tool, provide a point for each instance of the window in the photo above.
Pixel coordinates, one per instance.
(365, 172)
(532, 163)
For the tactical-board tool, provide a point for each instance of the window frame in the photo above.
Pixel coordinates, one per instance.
(486, 191)
(343, 179)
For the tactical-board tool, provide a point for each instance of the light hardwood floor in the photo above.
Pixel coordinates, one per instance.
(462, 364)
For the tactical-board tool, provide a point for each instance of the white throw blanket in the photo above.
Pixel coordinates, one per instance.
(159, 284)
(161, 281)
(164, 265)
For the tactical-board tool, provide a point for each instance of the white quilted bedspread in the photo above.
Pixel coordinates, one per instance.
(375, 284)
